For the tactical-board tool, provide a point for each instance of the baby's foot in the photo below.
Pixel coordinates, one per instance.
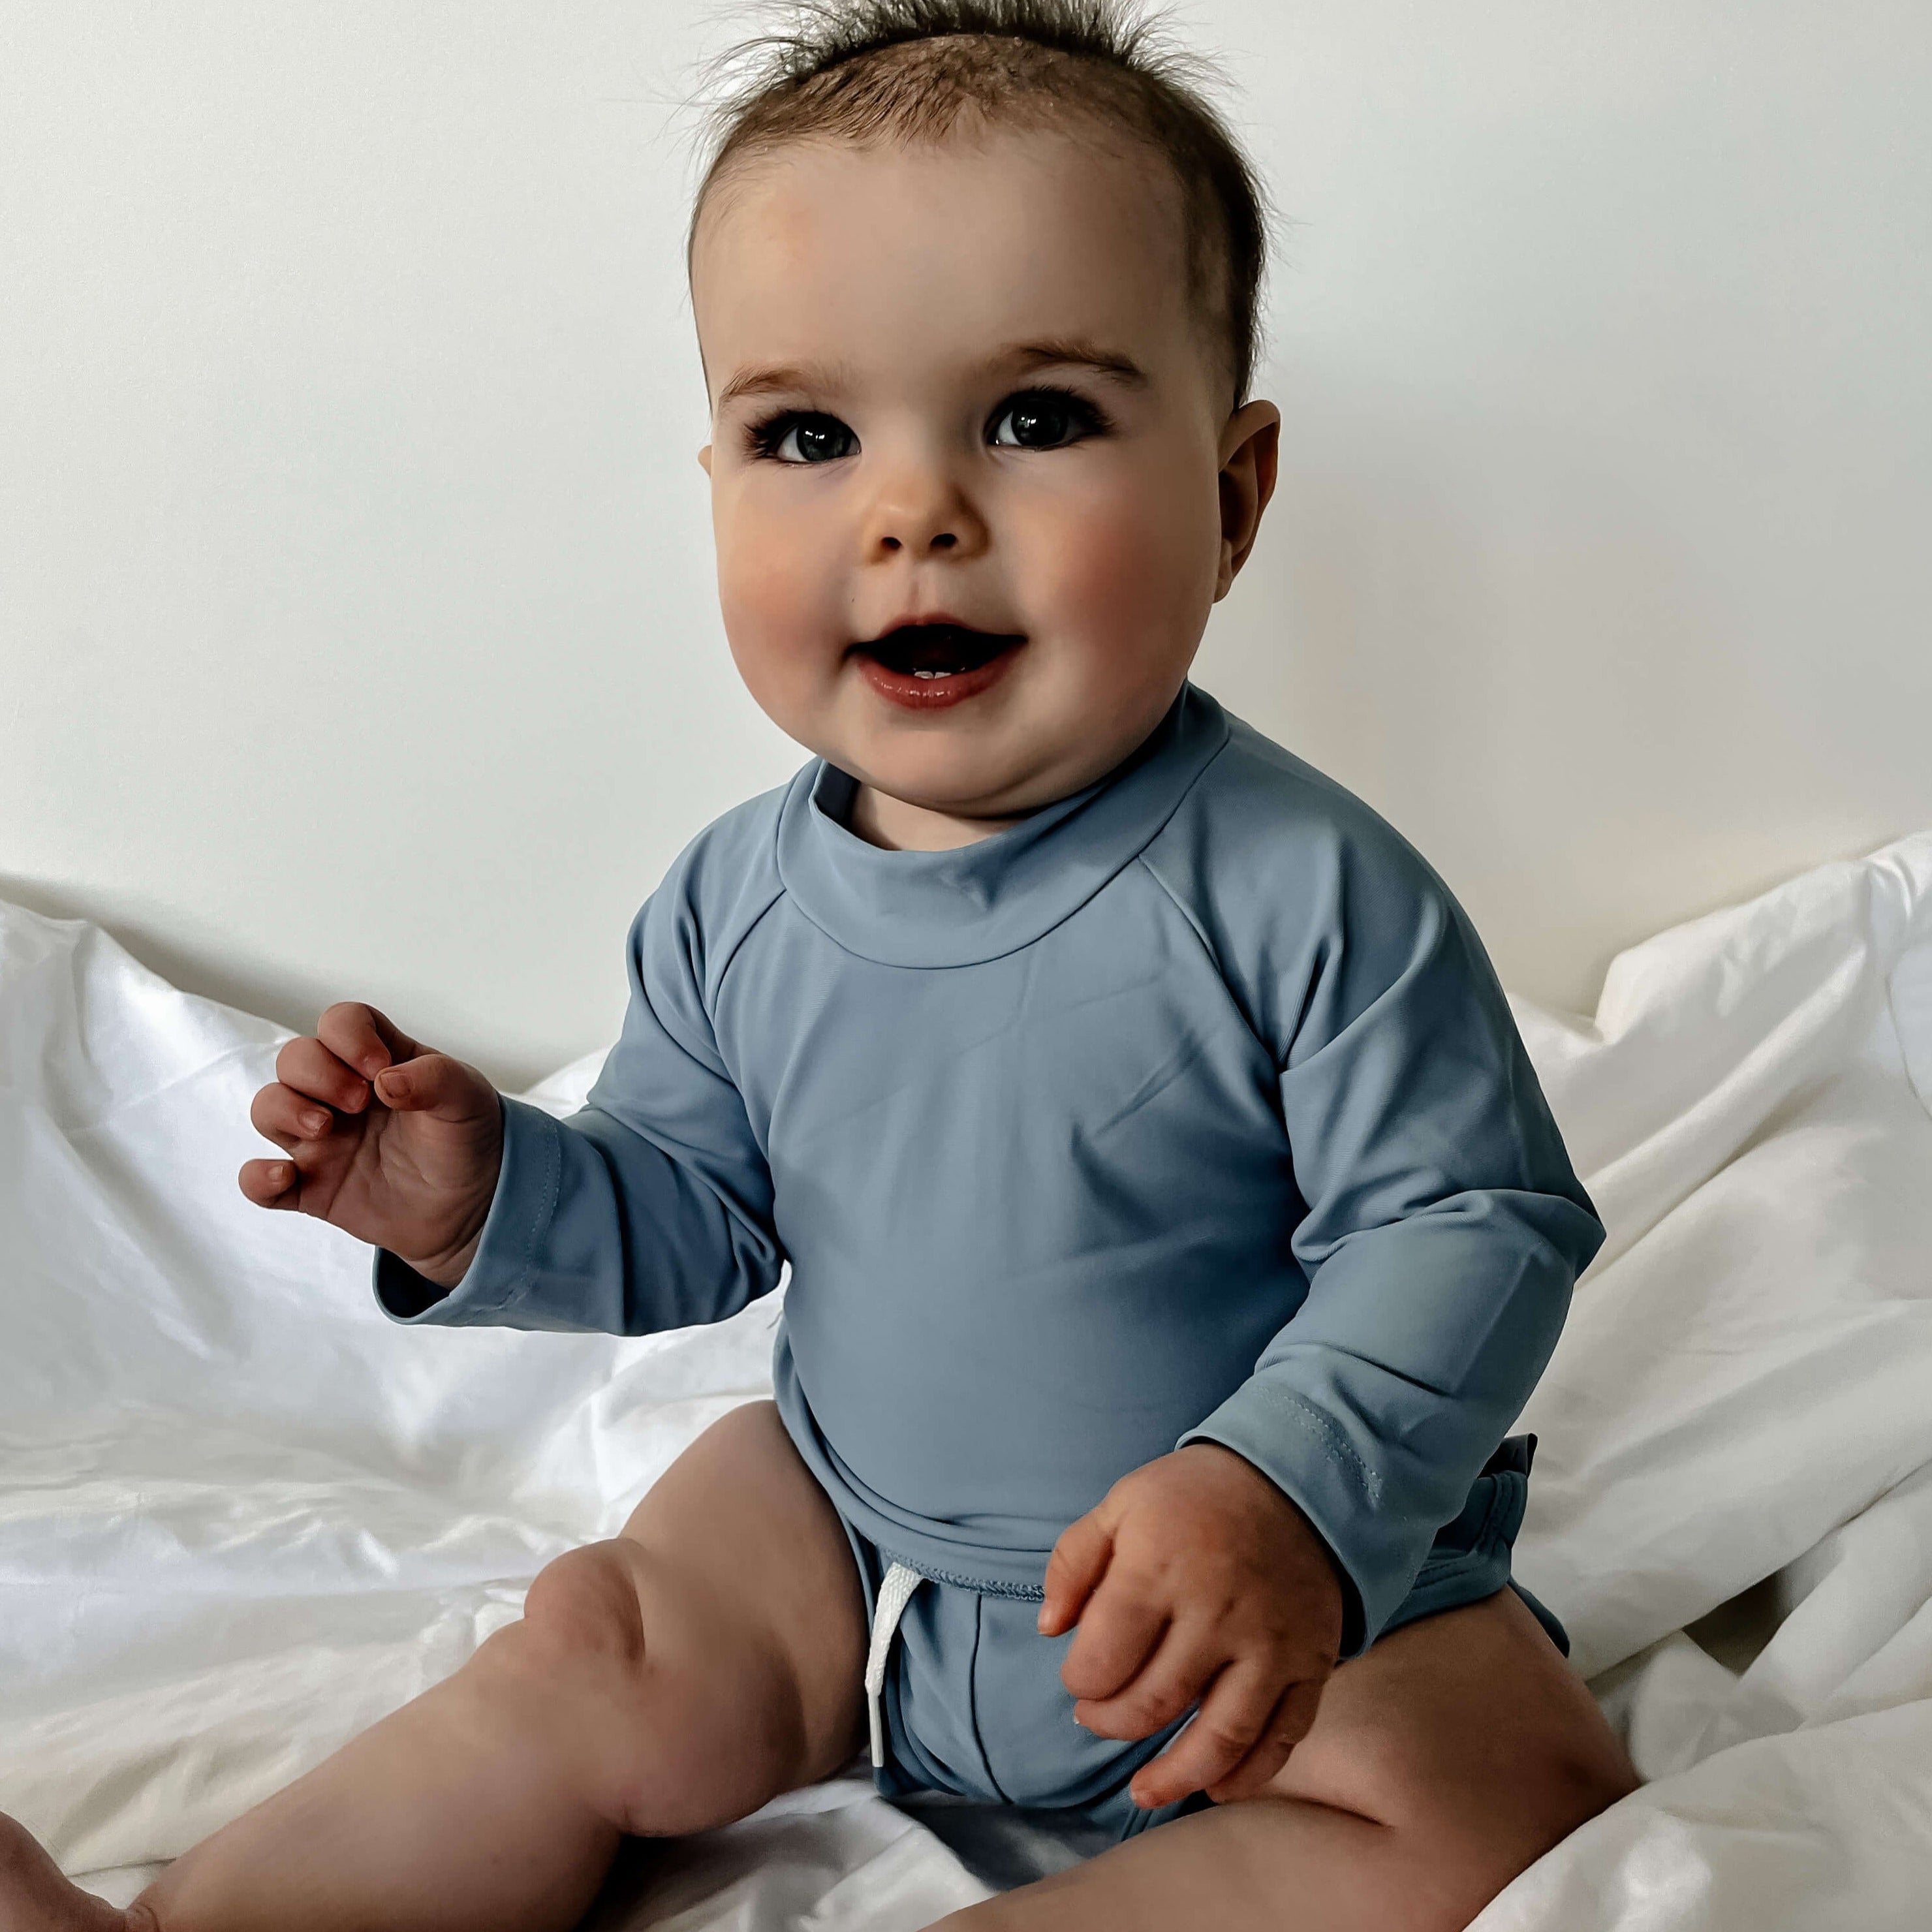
(36, 1896)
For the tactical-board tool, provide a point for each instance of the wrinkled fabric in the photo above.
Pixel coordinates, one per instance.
(1188, 1108)
(242, 1515)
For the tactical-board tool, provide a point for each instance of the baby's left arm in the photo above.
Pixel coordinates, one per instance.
(1443, 1230)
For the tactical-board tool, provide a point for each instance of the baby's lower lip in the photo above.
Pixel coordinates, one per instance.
(936, 693)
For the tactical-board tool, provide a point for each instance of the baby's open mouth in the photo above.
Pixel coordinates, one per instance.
(932, 651)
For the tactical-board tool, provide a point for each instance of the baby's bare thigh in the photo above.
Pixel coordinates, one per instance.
(1468, 1726)
(720, 1636)
(746, 1526)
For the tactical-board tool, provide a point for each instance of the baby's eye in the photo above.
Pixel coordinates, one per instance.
(1044, 419)
(795, 438)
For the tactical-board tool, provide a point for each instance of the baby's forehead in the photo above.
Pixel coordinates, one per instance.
(1073, 226)
(944, 177)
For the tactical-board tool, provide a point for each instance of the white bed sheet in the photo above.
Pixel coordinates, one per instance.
(241, 1515)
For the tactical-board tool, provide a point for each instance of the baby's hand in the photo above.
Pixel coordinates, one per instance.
(1197, 1580)
(397, 1144)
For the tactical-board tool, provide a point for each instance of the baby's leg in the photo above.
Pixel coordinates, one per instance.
(670, 1680)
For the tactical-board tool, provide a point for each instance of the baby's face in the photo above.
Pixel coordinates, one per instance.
(963, 383)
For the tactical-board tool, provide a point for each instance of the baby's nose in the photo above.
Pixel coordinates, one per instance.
(926, 511)
(952, 529)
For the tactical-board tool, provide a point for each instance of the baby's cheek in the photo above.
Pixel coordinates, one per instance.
(756, 594)
(1133, 580)
(782, 620)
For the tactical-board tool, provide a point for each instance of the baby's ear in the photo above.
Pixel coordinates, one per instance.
(704, 459)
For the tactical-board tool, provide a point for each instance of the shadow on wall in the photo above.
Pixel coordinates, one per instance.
(153, 938)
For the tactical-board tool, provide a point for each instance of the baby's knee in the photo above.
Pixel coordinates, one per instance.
(1476, 1843)
(581, 1642)
(588, 1604)
(571, 1680)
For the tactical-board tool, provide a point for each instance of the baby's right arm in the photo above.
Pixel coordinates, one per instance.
(650, 1208)
(398, 1145)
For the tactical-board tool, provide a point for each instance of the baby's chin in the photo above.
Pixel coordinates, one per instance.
(990, 768)
(1000, 763)
(959, 785)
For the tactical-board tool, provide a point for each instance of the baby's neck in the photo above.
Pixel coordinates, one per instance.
(882, 820)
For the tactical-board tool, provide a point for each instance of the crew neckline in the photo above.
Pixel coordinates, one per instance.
(976, 902)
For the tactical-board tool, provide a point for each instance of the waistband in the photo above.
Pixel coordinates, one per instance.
(939, 1552)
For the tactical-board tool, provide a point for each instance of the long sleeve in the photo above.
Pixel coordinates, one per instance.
(651, 1207)
(1444, 1229)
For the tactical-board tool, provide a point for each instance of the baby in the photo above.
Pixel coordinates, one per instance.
(1175, 1225)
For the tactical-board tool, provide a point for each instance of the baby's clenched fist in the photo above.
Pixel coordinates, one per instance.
(1197, 1581)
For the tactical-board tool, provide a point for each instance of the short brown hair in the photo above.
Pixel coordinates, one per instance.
(871, 70)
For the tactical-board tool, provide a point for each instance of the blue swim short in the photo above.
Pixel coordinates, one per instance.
(970, 1703)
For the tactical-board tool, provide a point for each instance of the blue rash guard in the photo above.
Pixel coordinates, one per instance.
(1187, 1109)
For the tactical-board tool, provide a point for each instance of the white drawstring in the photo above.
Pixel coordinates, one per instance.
(895, 1590)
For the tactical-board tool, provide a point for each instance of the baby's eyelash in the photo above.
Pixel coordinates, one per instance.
(1093, 420)
(764, 437)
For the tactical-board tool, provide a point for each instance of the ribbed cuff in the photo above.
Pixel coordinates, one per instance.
(499, 1271)
(1306, 1456)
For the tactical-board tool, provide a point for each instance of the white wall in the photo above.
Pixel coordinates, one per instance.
(357, 632)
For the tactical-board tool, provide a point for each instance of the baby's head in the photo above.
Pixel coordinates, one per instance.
(975, 283)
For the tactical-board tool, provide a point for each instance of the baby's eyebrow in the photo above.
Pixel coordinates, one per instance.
(1076, 352)
(1061, 353)
(782, 378)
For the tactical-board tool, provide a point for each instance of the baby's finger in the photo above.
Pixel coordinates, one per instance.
(312, 1070)
(281, 1114)
(1231, 1718)
(1293, 1718)
(271, 1183)
(433, 1083)
(1078, 1562)
(369, 1041)
(1119, 1629)
(1170, 1682)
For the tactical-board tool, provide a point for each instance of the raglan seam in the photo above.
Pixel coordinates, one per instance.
(780, 891)
(1235, 993)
